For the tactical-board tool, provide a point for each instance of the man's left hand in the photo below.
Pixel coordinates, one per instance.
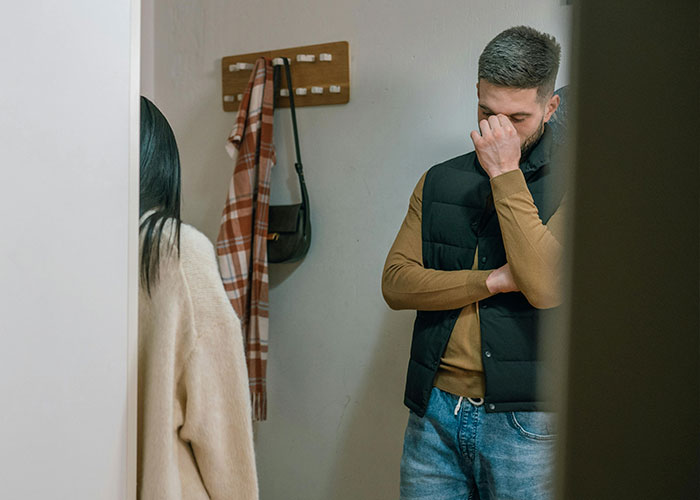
(498, 145)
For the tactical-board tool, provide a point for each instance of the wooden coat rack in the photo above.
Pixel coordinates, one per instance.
(320, 75)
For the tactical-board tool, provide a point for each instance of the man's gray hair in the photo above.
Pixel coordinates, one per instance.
(521, 57)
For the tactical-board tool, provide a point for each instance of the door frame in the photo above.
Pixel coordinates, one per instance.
(133, 249)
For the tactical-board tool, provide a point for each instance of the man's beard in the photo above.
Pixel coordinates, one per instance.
(532, 140)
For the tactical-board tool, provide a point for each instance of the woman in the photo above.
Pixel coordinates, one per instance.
(195, 428)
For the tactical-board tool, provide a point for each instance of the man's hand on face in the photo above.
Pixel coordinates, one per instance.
(501, 281)
(498, 145)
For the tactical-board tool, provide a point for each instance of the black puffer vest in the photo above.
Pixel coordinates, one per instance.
(458, 215)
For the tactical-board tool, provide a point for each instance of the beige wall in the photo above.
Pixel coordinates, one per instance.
(338, 355)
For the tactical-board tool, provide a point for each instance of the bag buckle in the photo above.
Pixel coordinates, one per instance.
(273, 236)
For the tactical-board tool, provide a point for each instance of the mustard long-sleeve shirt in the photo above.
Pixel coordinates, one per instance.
(533, 250)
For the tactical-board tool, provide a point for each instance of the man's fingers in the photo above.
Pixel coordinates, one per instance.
(475, 136)
(494, 123)
(485, 128)
(505, 122)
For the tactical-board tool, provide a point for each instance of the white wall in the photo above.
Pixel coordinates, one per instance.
(338, 355)
(148, 48)
(65, 100)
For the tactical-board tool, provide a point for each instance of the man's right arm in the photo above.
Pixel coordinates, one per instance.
(406, 284)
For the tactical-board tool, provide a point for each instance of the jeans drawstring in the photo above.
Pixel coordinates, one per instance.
(459, 405)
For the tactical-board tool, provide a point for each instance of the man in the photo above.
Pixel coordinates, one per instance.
(477, 256)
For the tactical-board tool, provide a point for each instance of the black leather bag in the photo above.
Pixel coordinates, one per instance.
(289, 226)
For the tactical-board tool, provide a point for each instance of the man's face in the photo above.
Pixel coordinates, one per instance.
(522, 107)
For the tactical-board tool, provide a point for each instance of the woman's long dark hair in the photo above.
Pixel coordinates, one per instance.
(160, 190)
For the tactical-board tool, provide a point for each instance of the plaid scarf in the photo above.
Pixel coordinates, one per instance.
(242, 242)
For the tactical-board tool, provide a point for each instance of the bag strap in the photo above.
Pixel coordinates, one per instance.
(288, 73)
(297, 165)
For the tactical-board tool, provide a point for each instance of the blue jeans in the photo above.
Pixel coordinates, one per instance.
(458, 451)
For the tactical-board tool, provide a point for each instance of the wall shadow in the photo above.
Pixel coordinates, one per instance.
(369, 453)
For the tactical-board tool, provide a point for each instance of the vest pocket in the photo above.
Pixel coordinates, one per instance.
(537, 425)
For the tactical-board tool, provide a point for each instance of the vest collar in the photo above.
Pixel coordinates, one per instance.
(539, 155)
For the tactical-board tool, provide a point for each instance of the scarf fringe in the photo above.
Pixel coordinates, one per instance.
(259, 403)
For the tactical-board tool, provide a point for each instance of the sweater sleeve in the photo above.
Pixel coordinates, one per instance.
(406, 284)
(533, 249)
(217, 421)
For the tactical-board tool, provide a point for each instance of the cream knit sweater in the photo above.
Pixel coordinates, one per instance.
(194, 416)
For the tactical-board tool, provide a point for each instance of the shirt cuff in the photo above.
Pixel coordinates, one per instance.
(476, 284)
(507, 184)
